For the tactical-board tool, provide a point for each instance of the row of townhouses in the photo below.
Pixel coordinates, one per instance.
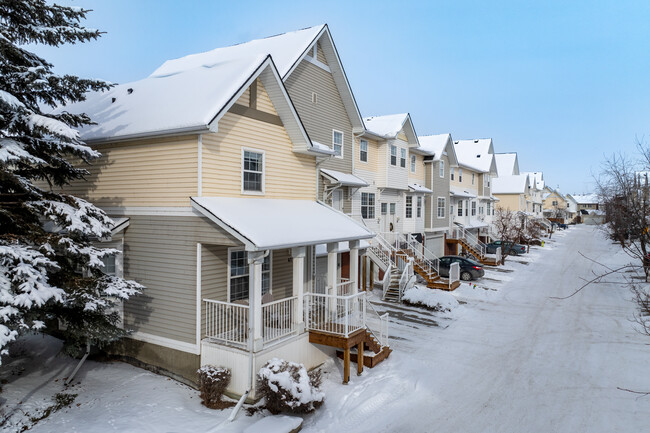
(256, 204)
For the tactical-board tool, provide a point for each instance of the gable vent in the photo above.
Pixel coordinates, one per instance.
(475, 141)
(314, 98)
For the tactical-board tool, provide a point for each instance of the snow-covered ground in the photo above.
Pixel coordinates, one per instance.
(508, 358)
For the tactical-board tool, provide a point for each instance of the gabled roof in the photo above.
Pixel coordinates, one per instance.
(586, 198)
(438, 144)
(513, 184)
(389, 127)
(191, 101)
(287, 51)
(507, 163)
(295, 222)
(535, 179)
(477, 154)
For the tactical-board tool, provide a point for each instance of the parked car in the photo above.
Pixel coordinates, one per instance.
(509, 247)
(563, 226)
(469, 269)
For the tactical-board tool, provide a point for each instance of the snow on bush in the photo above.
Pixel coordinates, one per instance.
(213, 381)
(435, 300)
(288, 387)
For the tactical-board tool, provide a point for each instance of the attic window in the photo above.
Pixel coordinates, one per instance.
(478, 156)
(314, 98)
(129, 90)
(113, 100)
(475, 141)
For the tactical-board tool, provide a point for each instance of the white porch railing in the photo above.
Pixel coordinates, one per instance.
(498, 255)
(377, 324)
(386, 283)
(427, 260)
(226, 322)
(341, 315)
(343, 286)
(279, 319)
(405, 279)
(472, 240)
(454, 274)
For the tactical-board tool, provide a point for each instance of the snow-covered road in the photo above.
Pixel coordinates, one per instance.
(515, 359)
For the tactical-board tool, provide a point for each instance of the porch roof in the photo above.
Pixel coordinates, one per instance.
(267, 224)
(344, 179)
(460, 192)
(416, 187)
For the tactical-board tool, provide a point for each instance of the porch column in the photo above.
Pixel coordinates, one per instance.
(332, 261)
(298, 256)
(354, 266)
(255, 261)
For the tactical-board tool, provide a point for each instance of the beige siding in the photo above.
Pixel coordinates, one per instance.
(320, 56)
(287, 175)
(418, 176)
(154, 172)
(402, 137)
(328, 114)
(245, 98)
(508, 202)
(160, 253)
(263, 101)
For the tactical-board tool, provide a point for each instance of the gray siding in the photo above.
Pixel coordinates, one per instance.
(160, 253)
(327, 114)
(440, 187)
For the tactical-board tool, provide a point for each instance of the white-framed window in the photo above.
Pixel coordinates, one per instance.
(337, 143)
(451, 209)
(488, 204)
(481, 210)
(473, 208)
(402, 160)
(554, 203)
(363, 150)
(238, 274)
(466, 207)
(418, 209)
(409, 206)
(486, 180)
(392, 208)
(367, 205)
(472, 178)
(460, 174)
(451, 173)
(384, 208)
(110, 265)
(393, 155)
(460, 208)
(413, 160)
(252, 171)
(441, 207)
(442, 168)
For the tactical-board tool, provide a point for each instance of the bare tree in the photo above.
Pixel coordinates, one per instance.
(509, 226)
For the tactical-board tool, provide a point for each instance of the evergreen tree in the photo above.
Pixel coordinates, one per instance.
(49, 266)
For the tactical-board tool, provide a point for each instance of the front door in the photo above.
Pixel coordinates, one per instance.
(337, 200)
(388, 217)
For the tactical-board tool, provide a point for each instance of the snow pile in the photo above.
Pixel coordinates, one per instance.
(436, 300)
(275, 424)
(288, 387)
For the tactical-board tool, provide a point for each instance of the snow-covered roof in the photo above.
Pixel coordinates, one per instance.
(415, 187)
(460, 192)
(507, 163)
(514, 184)
(343, 247)
(344, 179)
(535, 179)
(473, 224)
(287, 50)
(438, 144)
(295, 222)
(391, 125)
(119, 224)
(586, 198)
(477, 154)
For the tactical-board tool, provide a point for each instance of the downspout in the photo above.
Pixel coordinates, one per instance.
(251, 366)
(318, 164)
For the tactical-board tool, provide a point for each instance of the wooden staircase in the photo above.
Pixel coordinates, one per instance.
(370, 344)
(471, 250)
(392, 294)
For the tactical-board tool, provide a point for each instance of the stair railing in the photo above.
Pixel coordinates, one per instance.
(454, 274)
(386, 282)
(427, 260)
(377, 324)
(404, 280)
(472, 240)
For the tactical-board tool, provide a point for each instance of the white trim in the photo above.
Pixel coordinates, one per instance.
(314, 61)
(250, 149)
(342, 143)
(367, 151)
(413, 163)
(151, 211)
(166, 342)
(199, 269)
(441, 168)
(199, 171)
(233, 249)
(444, 207)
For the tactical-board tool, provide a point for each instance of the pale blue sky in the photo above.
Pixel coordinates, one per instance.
(562, 83)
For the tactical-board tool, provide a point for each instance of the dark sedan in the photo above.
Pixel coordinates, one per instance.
(469, 269)
(506, 247)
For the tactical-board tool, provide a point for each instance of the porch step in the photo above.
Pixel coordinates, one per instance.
(370, 360)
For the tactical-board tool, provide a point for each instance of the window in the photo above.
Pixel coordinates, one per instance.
(486, 180)
(481, 210)
(384, 208)
(466, 207)
(460, 208)
(473, 208)
(393, 155)
(253, 173)
(109, 265)
(472, 178)
(409, 206)
(367, 205)
(451, 209)
(460, 175)
(402, 160)
(441, 207)
(554, 203)
(392, 208)
(442, 168)
(363, 151)
(337, 141)
(413, 159)
(451, 173)
(239, 275)
(419, 208)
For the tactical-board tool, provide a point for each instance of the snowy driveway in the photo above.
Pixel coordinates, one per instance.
(514, 360)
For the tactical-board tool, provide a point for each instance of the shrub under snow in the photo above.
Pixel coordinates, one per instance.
(288, 387)
(213, 381)
(436, 300)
